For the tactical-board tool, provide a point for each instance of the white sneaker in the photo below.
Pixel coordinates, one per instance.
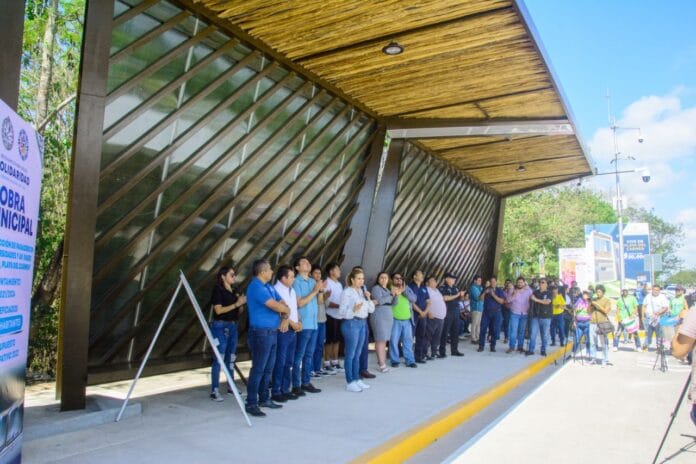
(353, 387)
(216, 396)
(362, 384)
(616, 348)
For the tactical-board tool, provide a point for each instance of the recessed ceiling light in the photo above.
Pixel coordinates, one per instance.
(393, 48)
(521, 168)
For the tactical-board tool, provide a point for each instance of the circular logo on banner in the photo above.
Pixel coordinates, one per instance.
(23, 144)
(7, 134)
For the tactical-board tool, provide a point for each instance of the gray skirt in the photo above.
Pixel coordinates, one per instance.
(381, 322)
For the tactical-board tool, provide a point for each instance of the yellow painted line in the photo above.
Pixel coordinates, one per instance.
(403, 446)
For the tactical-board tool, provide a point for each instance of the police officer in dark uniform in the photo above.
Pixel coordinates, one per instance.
(452, 296)
(421, 307)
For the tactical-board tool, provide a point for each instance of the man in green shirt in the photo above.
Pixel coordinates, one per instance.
(678, 303)
(626, 314)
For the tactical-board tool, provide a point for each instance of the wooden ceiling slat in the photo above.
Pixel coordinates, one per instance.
(465, 59)
(308, 27)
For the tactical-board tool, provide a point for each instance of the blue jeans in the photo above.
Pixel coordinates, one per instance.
(539, 325)
(558, 328)
(353, 331)
(262, 346)
(402, 331)
(304, 352)
(225, 332)
(620, 329)
(594, 343)
(650, 330)
(319, 349)
(581, 329)
(285, 354)
(365, 349)
(490, 322)
(518, 325)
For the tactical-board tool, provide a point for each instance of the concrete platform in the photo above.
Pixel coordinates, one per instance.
(589, 414)
(180, 424)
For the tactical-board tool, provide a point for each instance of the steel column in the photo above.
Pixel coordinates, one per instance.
(354, 248)
(499, 236)
(82, 206)
(11, 31)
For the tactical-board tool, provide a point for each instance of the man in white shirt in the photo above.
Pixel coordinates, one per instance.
(655, 306)
(332, 298)
(285, 347)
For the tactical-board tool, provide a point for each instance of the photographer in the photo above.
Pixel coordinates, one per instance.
(683, 343)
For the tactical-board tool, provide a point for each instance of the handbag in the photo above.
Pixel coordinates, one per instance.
(631, 325)
(605, 328)
(669, 321)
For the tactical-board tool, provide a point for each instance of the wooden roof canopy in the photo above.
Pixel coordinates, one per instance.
(472, 85)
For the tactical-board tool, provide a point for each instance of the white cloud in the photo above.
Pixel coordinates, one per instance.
(669, 151)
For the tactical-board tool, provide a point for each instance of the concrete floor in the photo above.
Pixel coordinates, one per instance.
(589, 414)
(180, 424)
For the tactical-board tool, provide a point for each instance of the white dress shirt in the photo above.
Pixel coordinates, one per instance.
(290, 298)
(335, 297)
(349, 298)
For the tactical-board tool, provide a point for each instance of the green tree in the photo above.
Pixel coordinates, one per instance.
(686, 277)
(546, 220)
(50, 61)
(665, 239)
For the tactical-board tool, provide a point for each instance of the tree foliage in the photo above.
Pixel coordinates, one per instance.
(546, 220)
(686, 277)
(45, 88)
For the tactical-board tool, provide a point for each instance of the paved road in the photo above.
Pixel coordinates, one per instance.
(591, 414)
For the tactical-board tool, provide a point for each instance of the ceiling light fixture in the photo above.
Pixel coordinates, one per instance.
(521, 168)
(393, 48)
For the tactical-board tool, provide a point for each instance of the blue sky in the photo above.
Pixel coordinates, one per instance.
(644, 52)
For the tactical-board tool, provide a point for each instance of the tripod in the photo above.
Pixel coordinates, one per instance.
(660, 354)
(576, 343)
(673, 415)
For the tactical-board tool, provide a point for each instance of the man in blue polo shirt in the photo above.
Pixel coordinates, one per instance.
(420, 307)
(492, 316)
(307, 290)
(267, 313)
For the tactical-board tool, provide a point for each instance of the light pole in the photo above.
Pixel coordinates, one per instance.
(619, 207)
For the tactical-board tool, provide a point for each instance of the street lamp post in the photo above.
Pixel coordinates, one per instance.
(619, 205)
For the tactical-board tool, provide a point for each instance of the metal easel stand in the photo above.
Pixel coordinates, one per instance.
(213, 344)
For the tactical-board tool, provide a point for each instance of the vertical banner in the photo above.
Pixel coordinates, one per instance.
(21, 152)
(574, 266)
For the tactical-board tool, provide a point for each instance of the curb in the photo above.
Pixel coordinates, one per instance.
(408, 443)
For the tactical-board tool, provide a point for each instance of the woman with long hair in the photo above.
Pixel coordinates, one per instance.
(354, 308)
(382, 319)
(227, 303)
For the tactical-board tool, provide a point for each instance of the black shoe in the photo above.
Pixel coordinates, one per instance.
(520, 350)
(528, 353)
(297, 391)
(310, 388)
(395, 364)
(543, 353)
(457, 353)
(553, 343)
(270, 405)
(442, 355)
(420, 361)
(480, 349)
(414, 365)
(279, 398)
(367, 375)
(254, 411)
(429, 358)
(492, 350)
(290, 396)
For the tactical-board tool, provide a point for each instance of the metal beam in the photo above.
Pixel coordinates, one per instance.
(82, 206)
(374, 239)
(11, 30)
(499, 237)
(354, 248)
(434, 128)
